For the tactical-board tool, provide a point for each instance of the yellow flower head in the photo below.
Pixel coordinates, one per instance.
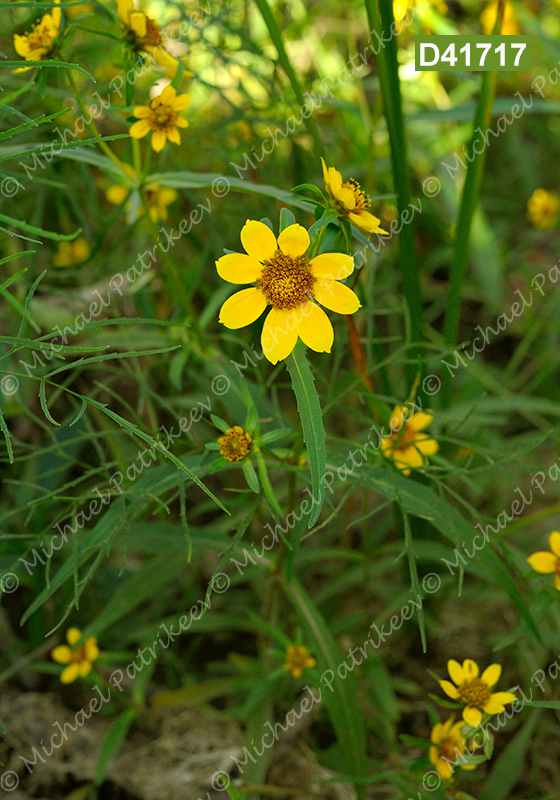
(144, 34)
(162, 118)
(71, 252)
(448, 745)
(510, 23)
(298, 659)
(349, 200)
(475, 693)
(235, 444)
(406, 445)
(543, 209)
(41, 42)
(548, 563)
(79, 659)
(158, 197)
(290, 282)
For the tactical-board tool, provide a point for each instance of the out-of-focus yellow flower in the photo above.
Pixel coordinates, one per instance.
(543, 209)
(298, 658)
(235, 444)
(162, 118)
(77, 11)
(510, 23)
(349, 200)
(144, 34)
(288, 281)
(475, 693)
(41, 41)
(548, 563)
(71, 252)
(158, 197)
(448, 745)
(79, 659)
(406, 445)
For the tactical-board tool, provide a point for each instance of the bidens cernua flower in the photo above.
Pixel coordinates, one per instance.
(350, 201)
(298, 658)
(548, 563)
(144, 34)
(543, 209)
(291, 283)
(473, 692)
(41, 41)
(448, 745)
(235, 444)
(79, 659)
(406, 445)
(162, 118)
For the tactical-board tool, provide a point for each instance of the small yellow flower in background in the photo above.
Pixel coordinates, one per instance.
(79, 659)
(548, 563)
(235, 444)
(510, 23)
(41, 42)
(400, 9)
(144, 34)
(71, 252)
(158, 197)
(543, 209)
(161, 117)
(448, 744)
(407, 446)
(298, 658)
(288, 281)
(349, 200)
(474, 692)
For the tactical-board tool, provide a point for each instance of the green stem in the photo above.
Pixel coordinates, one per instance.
(381, 19)
(286, 64)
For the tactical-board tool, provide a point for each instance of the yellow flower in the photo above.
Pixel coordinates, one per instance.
(475, 693)
(298, 658)
(71, 252)
(350, 201)
(158, 197)
(547, 563)
(448, 745)
(144, 34)
(406, 446)
(79, 659)
(288, 281)
(543, 209)
(510, 24)
(235, 444)
(41, 42)
(161, 116)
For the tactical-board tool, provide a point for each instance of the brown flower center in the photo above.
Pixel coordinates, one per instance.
(40, 37)
(235, 444)
(162, 118)
(449, 749)
(403, 438)
(153, 33)
(78, 655)
(285, 281)
(474, 693)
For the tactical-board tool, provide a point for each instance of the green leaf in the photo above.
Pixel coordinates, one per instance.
(286, 218)
(24, 226)
(250, 476)
(178, 77)
(49, 64)
(112, 741)
(311, 417)
(7, 437)
(509, 764)
(232, 791)
(201, 693)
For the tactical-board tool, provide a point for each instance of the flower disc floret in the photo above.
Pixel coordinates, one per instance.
(235, 444)
(286, 282)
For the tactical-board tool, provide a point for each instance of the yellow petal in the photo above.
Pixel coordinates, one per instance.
(70, 673)
(91, 648)
(426, 444)
(402, 467)
(554, 542)
(498, 701)
(333, 181)
(174, 136)
(279, 335)
(242, 308)
(491, 675)
(444, 769)
(337, 297)
(56, 17)
(294, 241)
(140, 129)
(168, 95)
(73, 635)
(455, 671)
(543, 562)
(419, 420)
(142, 112)
(449, 689)
(239, 268)
(61, 654)
(436, 735)
(181, 122)
(472, 716)
(346, 197)
(137, 23)
(314, 327)
(181, 102)
(470, 669)
(84, 668)
(409, 456)
(433, 754)
(158, 139)
(367, 222)
(124, 7)
(258, 240)
(117, 194)
(21, 45)
(334, 265)
(557, 582)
